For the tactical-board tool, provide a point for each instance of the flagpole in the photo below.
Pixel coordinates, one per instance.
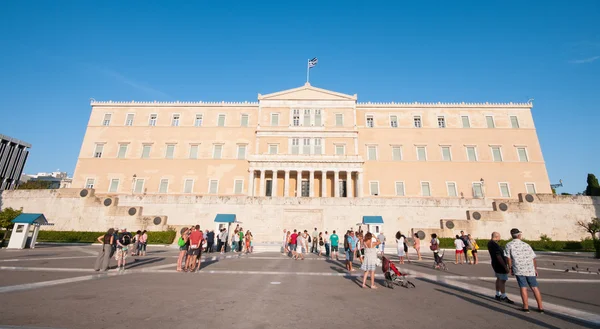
(307, 70)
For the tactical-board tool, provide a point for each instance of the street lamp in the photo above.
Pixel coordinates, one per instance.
(133, 183)
(482, 187)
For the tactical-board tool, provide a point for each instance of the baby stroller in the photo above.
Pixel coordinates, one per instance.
(393, 275)
(438, 261)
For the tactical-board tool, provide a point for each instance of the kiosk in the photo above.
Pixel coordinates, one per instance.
(25, 231)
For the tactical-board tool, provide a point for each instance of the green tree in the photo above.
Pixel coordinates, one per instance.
(35, 185)
(592, 227)
(593, 188)
(6, 216)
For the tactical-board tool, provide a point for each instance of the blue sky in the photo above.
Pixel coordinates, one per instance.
(55, 56)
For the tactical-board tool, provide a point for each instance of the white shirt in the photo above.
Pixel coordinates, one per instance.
(522, 257)
(400, 243)
(459, 244)
(325, 238)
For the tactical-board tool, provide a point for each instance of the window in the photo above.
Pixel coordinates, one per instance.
(425, 190)
(318, 146)
(213, 186)
(441, 122)
(446, 155)
(396, 153)
(238, 186)
(194, 151)
(477, 190)
(522, 154)
(421, 153)
(295, 146)
(471, 153)
(114, 186)
(122, 151)
(370, 122)
(466, 123)
(504, 190)
(244, 120)
(451, 187)
(306, 119)
(138, 187)
(89, 183)
(221, 120)
(170, 151)
(306, 146)
(273, 148)
(146, 151)
(399, 188)
(198, 121)
(152, 120)
(496, 154)
(318, 118)
(514, 121)
(490, 121)
(339, 120)
(372, 153)
(188, 186)
(296, 118)
(530, 187)
(374, 188)
(274, 119)
(98, 150)
(393, 121)
(106, 120)
(217, 150)
(339, 150)
(129, 119)
(241, 152)
(175, 120)
(164, 186)
(417, 121)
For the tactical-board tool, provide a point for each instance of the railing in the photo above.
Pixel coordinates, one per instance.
(305, 157)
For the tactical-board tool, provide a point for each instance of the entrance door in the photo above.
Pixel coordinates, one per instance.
(342, 188)
(305, 189)
(269, 188)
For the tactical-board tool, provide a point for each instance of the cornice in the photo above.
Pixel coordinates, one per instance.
(94, 102)
(443, 105)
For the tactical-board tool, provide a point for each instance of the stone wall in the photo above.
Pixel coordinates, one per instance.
(75, 209)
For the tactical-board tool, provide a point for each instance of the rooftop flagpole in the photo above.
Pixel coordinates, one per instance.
(307, 70)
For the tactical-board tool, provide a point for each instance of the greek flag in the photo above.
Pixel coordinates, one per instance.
(312, 62)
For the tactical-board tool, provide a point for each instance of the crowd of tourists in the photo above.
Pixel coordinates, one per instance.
(120, 244)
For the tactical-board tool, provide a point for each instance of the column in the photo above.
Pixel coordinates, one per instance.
(349, 185)
(251, 183)
(286, 184)
(262, 182)
(336, 184)
(324, 183)
(311, 184)
(274, 184)
(359, 184)
(298, 183)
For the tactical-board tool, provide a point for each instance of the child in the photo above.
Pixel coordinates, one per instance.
(458, 254)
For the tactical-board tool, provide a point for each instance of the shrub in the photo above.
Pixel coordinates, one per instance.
(165, 237)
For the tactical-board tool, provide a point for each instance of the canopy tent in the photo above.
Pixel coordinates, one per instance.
(372, 220)
(225, 218)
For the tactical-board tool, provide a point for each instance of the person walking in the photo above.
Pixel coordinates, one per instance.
(194, 251)
(459, 250)
(335, 241)
(219, 240)
(300, 243)
(474, 249)
(522, 264)
(321, 243)
(500, 266)
(241, 244)
(381, 245)
(122, 249)
(465, 240)
(315, 238)
(234, 240)
(103, 258)
(183, 243)
(210, 241)
(360, 247)
(370, 262)
(143, 243)
(417, 246)
(400, 247)
(327, 245)
(435, 247)
(294, 243)
(224, 235)
(136, 243)
(350, 248)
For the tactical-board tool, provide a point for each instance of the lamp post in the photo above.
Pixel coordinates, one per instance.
(133, 183)
(482, 187)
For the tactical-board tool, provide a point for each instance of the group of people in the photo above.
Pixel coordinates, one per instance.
(466, 249)
(120, 245)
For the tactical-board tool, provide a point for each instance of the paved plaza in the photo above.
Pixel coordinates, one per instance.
(54, 286)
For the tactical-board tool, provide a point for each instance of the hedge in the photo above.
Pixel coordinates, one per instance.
(584, 245)
(165, 237)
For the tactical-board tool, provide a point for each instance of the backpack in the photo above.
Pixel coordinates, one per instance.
(434, 246)
(125, 239)
(309, 240)
(181, 242)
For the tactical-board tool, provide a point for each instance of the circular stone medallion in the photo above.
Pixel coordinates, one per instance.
(107, 202)
(503, 206)
(476, 215)
(529, 198)
(131, 211)
(450, 224)
(157, 221)
(421, 235)
(83, 193)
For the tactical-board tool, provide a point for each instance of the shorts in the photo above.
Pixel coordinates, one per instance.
(362, 252)
(121, 254)
(334, 248)
(502, 276)
(292, 247)
(474, 251)
(525, 281)
(142, 246)
(349, 255)
(194, 252)
(184, 248)
(459, 252)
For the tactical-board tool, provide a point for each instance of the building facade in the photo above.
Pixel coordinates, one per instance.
(311, 142)
(13, 155)
(57, 179)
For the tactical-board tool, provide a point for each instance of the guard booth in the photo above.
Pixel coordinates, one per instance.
(374, 224)
(225, 221)
(25, 231)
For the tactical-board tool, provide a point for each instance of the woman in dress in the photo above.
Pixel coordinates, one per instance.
(370, 262)
(136, 243)
(247, 236)
(103, 259)
(400, 246)
(417, 246)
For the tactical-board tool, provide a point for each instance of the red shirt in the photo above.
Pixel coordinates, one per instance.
(195, 238)
(293, 238)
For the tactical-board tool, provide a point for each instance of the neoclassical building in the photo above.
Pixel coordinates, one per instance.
(311, 142)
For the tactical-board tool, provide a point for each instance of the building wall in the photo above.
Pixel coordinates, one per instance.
(13, 155)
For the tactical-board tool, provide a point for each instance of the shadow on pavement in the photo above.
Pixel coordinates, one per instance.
(145, 261)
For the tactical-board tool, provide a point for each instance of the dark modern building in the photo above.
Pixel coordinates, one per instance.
(13, 154)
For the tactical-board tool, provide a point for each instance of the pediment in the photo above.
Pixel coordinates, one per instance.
(307, 92)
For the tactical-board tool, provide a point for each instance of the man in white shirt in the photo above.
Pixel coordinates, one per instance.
(522, 264)
(315, 240)
(326, 242)
(458, 254)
